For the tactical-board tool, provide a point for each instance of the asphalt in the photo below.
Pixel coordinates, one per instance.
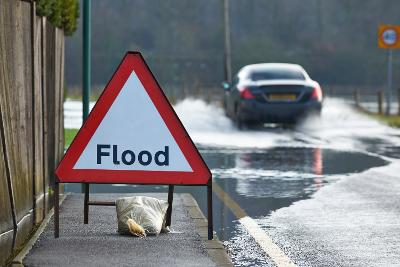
(354, 222)
(99, 244)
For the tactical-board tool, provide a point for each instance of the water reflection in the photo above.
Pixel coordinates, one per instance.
(287, 172)
(317, 161)
(318, 167)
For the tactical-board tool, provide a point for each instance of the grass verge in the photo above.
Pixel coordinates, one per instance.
(391, 120)
(69, 136)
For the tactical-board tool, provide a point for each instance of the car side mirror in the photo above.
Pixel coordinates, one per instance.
(226, 86)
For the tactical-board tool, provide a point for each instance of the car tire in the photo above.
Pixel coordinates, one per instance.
(240, 124)
(254, 125)
(289, 126)
(225, 107)
(314, 113)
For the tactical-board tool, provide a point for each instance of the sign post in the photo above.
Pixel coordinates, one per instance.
(389, 38)
(86, 66)
(133, 136)
(389, 82)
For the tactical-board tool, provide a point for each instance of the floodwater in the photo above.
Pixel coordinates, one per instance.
(269, 168)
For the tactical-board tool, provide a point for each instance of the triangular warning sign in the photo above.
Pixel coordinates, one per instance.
(133, 135)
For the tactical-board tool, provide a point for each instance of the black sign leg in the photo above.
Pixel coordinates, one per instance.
(169, 210)
(210, 211)
(56, 210)
(86, 205)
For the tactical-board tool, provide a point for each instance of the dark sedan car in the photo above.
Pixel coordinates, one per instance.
(271, 93)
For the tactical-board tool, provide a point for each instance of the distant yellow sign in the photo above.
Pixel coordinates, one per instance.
(389, 36)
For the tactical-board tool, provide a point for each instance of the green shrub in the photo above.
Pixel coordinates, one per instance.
(70, 15)
(43, 8)
(61, 13)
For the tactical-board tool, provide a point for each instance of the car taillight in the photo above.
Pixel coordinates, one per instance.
(245, 93)
(317, 93)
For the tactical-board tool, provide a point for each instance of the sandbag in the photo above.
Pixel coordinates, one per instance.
(140, 215)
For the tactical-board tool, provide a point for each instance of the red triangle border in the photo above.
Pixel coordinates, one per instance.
(133, 61)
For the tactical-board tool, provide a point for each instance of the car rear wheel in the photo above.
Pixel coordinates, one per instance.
(240, 124)
(289, 126)
(225, 107)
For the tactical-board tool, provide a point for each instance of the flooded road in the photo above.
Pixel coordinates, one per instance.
(266, 169)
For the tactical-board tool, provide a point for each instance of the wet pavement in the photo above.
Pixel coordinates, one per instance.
(271, 170)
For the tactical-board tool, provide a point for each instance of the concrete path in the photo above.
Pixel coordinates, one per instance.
(99, 244)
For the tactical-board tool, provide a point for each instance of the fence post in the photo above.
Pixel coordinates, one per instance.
(331, 92)
(380, 102)
(398, 101)
(198, 91)
(208, 94)
(172, 95)
(357, 98)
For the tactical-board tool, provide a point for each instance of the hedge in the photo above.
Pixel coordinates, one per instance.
(61, 13)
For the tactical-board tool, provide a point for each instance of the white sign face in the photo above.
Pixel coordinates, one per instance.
(389, 37)
(133, 136)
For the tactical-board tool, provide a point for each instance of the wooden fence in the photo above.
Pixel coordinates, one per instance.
(31, 120)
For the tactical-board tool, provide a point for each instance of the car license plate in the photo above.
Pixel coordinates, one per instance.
(281, 97)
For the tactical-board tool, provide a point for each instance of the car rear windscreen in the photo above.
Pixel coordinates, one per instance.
(276, 74)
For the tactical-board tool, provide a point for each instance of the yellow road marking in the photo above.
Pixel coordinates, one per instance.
(259, 235)
(228, 201)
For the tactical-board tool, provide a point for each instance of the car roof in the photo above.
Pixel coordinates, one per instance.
(245, 71)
